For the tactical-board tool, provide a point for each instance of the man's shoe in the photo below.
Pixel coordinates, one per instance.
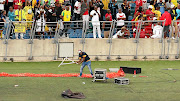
(79, 76)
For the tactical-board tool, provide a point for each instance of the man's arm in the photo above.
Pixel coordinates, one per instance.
(3, 19)
(26, 3)
(118, 36)
(91, 14)
(103, 26)
(124, 17)
(98, 13)
(80, 60)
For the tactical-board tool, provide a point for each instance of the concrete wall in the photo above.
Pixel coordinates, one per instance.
(44, 50)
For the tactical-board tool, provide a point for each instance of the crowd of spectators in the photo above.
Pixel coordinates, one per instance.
(49, 11)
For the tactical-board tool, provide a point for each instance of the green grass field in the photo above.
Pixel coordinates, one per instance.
(158, 86)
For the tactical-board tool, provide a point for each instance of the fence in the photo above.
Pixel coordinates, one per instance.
(134, 42)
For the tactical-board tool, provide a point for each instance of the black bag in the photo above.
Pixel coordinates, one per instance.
(69, 94)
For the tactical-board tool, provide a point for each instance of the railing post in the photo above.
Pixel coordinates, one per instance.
(138, 31)
(110, 38)
(8, 31)
(169, 40)
(136, 40)
(58, 29)
(162, 41)
(84, 30)
(33, 30)
(30, 39)
(177, 41)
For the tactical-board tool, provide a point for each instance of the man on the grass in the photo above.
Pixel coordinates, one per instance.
(85, 60)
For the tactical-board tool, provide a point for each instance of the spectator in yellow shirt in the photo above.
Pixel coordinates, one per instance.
(20, 15)
(27, 7)
(29, 17)
(157, 13)
(66, 15)
(175, 3)
(105, 2)
(60, 1)
(152, 3)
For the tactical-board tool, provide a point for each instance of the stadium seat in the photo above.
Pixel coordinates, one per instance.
(72, 25)
(69, 31)
(72, 32)
(129, 25)
(119, 5)
(90, 35)
(130, 18)
(102, 33)
(73, 35)
(79, 32)
(133, 5)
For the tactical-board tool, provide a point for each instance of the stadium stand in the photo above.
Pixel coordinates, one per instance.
(44, 15)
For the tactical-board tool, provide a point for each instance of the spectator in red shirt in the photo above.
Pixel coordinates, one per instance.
(84, 13)
(138, 12)
(143, 32)
(108, 14)
(166, 16)
(148, 26)
(149, 11)
(138, 4)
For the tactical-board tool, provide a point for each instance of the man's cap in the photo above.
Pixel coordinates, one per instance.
(172, 6)
(19, 4)
(79, 51)
(154, 18)
(150, 6)
(29, 11)
(52, 5)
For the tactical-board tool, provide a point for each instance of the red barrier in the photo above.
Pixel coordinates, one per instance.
(120, 73)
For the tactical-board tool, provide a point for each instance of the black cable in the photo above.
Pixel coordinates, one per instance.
(169, 75)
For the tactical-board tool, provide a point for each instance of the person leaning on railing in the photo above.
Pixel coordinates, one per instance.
(157, 31)
(123, 33)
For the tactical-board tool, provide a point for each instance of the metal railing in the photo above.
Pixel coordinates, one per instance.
(177, 24)
(84, 30)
